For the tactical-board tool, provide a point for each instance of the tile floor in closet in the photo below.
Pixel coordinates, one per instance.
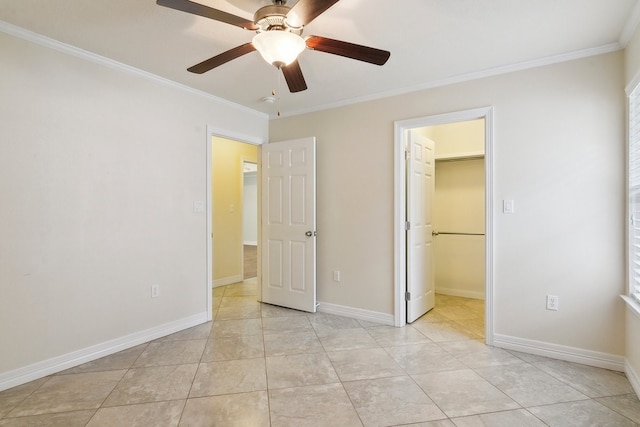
(260, 365)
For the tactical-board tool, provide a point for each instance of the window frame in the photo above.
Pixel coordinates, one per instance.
(632, 192)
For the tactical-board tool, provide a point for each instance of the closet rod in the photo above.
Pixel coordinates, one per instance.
(436, 233)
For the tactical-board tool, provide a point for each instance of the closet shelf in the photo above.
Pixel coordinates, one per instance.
(470, 155)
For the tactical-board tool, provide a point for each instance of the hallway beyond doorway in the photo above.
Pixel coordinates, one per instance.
(250, 261)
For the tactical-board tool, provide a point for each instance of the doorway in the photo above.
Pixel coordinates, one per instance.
(229, 158)
(469, 235)
(227, 154)
(301, 157)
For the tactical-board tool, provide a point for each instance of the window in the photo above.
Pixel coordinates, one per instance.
(634, 193)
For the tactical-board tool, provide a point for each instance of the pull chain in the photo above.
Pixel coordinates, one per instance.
(279, 86)
(275, 93)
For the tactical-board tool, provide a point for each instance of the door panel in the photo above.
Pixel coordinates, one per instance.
(289, 224)
(274, 189)
(420, 188)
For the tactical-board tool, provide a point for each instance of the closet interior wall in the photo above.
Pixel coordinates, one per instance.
(459, 208)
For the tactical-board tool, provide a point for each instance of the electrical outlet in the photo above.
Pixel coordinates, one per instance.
(336, 275)
(552, 302)
(155, 291)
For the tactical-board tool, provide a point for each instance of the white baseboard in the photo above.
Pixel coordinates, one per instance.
(60, 363)
(632, 376)
(250, 243)
(460, 293)
(561, 352)
(356, 313)
(227, 280)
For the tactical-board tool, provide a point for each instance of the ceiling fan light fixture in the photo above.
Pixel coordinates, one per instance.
(278, 47)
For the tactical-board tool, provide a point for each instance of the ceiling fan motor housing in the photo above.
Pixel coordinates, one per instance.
(274, 18)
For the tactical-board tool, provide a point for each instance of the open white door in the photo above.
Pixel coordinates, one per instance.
(289, 224)
(420, 188)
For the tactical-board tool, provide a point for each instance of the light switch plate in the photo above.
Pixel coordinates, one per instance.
(508, 206)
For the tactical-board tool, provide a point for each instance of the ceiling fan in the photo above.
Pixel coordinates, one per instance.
(278, 37)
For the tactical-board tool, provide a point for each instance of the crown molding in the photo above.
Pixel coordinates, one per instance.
(30, 36)
(462, 78)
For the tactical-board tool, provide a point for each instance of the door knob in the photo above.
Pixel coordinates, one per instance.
(309, 233)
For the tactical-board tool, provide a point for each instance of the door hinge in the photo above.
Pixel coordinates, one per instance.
(407, 225)
(407, 154)
(407, 296)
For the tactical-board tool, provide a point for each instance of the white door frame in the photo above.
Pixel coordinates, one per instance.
(222, 133)
(400, 253)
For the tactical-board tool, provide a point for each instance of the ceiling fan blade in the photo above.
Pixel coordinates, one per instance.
(207, 12)
(348, 50)
(293, 76)
(223, 58)
(306, 11)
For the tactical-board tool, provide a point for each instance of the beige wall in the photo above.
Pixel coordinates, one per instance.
(99, 170)
(227, 158)
(458, 139)
(460, 196)
(458, 207)
(558, 152)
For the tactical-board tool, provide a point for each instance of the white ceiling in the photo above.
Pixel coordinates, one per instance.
(431, 42)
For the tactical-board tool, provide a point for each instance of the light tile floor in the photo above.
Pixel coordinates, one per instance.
(260, 365)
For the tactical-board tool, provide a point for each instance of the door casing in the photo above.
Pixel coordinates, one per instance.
(400, 253)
